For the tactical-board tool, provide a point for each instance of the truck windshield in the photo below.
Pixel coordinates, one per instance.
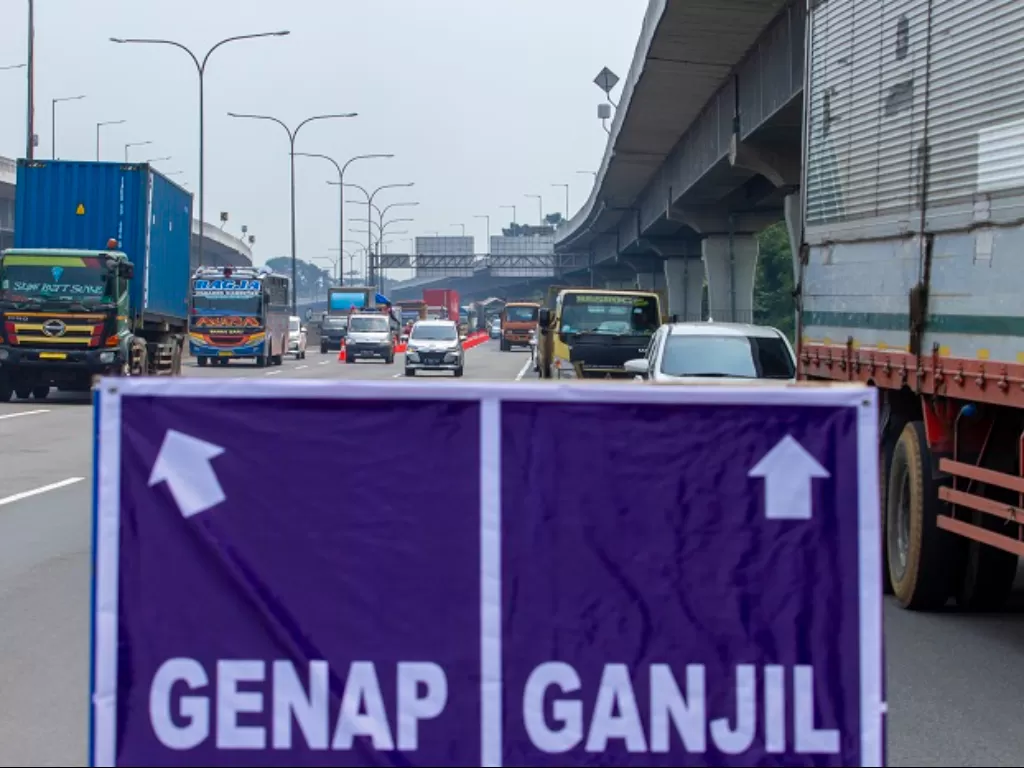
(734, 356)
(57, 279)
(521, 314)
(368, 324)
(612, 314)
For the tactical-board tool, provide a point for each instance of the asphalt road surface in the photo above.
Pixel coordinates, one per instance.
(954, 681)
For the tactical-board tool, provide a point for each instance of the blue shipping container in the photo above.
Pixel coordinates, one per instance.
(77, 204)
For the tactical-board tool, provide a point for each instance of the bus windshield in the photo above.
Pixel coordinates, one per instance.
(60, 279)
(208, 299)
(611, 314)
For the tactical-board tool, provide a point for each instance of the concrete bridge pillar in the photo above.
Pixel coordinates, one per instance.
(684, 281)
(730, 262)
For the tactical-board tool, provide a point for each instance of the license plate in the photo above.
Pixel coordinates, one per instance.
(224, 354)
(52, 356)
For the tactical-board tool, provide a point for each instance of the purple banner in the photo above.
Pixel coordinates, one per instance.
(314, 573)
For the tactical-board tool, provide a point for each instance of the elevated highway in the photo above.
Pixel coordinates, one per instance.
(703, 153)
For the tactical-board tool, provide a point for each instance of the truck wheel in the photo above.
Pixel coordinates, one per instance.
(885, 451)
(5, 392)
(921, 557)
(458, 372)
(410, 371)
(202, 361)
(323, 349)
(23, 393)
(40, 393)
(176, 358)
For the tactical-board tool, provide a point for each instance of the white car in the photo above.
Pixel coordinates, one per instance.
(435, 345)
(296, 337)
(702, 353)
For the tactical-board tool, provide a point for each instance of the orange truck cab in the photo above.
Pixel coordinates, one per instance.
(517, 320)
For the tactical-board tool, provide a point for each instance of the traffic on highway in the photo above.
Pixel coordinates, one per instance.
(722, 465)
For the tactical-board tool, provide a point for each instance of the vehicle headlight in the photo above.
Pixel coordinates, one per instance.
(107, 357)
(412, 354)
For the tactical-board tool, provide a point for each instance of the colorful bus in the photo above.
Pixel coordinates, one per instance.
(236, 313)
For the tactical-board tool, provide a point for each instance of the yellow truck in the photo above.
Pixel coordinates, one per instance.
(591, 332)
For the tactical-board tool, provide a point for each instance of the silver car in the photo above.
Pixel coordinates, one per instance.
(369, 337)
(434, 345)
(703, 353)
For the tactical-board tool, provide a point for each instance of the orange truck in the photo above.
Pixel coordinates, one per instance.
(517, 320)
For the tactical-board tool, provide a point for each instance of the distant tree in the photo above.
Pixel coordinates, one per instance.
(312, 280)
(554, 219)
(773, 284)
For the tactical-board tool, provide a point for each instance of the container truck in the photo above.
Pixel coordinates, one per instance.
(97, 280)
(442, 303)
(908, 233)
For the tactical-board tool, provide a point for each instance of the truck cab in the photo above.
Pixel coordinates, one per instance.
(64, 319)
(517, 320)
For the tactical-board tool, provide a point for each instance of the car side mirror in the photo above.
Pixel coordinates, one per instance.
(637, 367)
(126, 270)
(302, 329)
(462, 338)
(544, 318)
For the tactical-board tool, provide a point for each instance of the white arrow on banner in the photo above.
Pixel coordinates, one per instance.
(184, 464)
(788, 470)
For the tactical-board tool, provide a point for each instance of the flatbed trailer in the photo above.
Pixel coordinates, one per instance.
(907, 235)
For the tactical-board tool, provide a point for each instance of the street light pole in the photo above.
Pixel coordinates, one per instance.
(515, 217)
(201, 69)
(53, 122)
(540, 206)
(134, 144)
(31, 104)
(341, 189)
(100, 125)
(291, 154)
(371, 273)
(463, 228)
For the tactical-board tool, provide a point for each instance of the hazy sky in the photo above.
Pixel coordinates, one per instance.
(481, 101)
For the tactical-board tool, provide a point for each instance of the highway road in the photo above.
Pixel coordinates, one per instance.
(954, 681)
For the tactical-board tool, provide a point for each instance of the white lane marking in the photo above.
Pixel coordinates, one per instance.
(37, 491)
(526, 368)
(23, 413)
(325, 362)
(398, 376)
(272, 373)
(300, 367)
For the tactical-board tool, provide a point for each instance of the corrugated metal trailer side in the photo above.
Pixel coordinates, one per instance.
(70, 204)
(910, 279)
(914, 189)
(165, 291)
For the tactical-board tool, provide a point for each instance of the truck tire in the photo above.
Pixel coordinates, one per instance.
(176, 357)
(202, 361)
(921, 557)
(138, 358)
(41, 392)
(23, 393)
(885, 450)
(6, 391)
